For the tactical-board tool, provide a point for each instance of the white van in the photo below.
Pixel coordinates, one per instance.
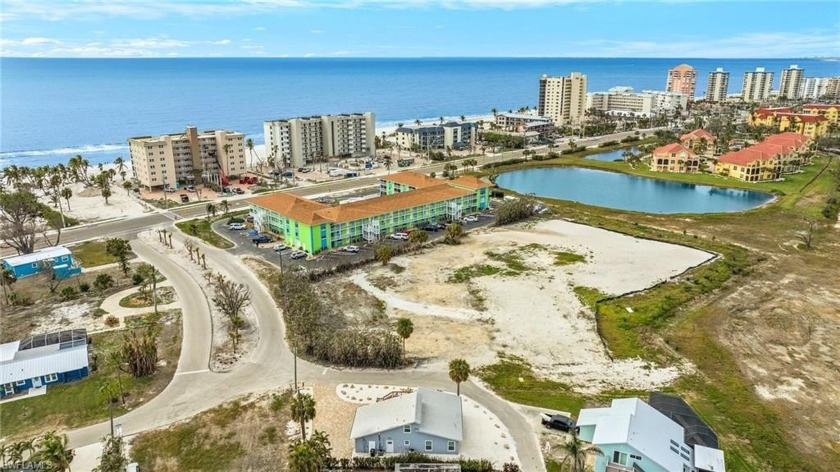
(336, 172)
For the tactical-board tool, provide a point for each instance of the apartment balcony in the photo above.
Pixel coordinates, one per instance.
(614, 467)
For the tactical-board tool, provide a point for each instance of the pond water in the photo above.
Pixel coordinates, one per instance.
(629, 192)
(610, 156)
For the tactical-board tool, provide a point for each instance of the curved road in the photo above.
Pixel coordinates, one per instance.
(194, 388)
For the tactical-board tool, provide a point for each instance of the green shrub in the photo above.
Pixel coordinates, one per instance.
(68, 293)
(137, 279)
(103, 282)
(512, 211)
(608, 143)
(84, 287)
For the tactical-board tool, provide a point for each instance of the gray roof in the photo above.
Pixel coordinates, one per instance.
(19, 365)
(433, 412)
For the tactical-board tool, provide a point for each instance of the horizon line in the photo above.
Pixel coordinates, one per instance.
(830, 58)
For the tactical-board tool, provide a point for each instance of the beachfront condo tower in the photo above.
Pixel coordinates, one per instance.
(191, 157)
(682, 79)
(563, 99)
(297, 142)
(717, 86)
(757, 85)
(791, 82)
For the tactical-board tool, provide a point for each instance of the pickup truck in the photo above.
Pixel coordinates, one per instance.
(560, 422)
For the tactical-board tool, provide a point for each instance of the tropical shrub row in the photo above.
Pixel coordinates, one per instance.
(321, 332)
(512, 211)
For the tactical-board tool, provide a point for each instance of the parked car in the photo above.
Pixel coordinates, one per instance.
(297, 254)
(190, 188)
(398, 236)
(430, 227)
(253, 232)
(238, 191)
(280, 247)
(236, 226)
(263, 238)
(305, 170)
(559, 422)
(185, 198)
(168, 189)
(351, 248)
(288, 174)
(470, 219)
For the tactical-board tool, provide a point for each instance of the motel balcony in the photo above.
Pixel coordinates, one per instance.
(615, 467)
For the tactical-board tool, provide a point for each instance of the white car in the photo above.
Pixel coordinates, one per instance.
(236, 226)
(297, 254)
(280, 247)
(398, 236)
(470, 219)
(351, 248)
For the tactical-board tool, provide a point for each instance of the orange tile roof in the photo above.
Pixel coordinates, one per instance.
(310, 212)
(393, 202)
(470, 182)
(412, 179)
(820, 106)
(292, 206)
(768, 149)
(698, 134)
(770, 111)
(673, 147)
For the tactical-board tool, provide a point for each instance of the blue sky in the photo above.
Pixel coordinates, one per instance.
(412, 28)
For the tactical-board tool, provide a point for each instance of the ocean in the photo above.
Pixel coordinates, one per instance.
(53, 109)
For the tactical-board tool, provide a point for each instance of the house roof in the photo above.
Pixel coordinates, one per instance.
(820, 106)
(470, 182)
(635, 423)
(697, 432)
(673, 148)
(433, 412)
(772, 146)
(18, 363)
(412, 179)
(292, 206)
(770, 111)
(709, 459)
(429, 191)
(39, 255)
(698, 134)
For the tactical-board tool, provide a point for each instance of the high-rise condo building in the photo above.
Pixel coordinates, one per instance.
(187, 158)
(791, 82)
(682, 79)
(563, 99)
(717, 86)
(757, 85)
(296, 142)
(827, 88)
(625, 100)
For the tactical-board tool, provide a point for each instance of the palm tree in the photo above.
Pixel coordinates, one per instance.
(576, 452)
(383, 254)
(441, 120)
(7, 279)
(12, 175)
(459, 371)
(249, 143)
(66, 194)
(52, 449)
(404, 327)
(418, 237)
(386, 161)
(127, 185)
(303, 410)
(463, 118)
(303, 457)
(495, 112)
(120, 163)
(417, 122)
(225, 206)
(211, 209)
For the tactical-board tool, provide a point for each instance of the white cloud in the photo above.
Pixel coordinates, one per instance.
(38, 41)
(150, 43)
(223, 42)
(259, 28)
(316, 31)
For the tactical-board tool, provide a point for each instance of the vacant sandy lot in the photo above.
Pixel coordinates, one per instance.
(528, 307)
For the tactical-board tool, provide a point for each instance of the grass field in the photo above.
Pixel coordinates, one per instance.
(201, 229)
(80, 403)
(93, 253)
(686, 314)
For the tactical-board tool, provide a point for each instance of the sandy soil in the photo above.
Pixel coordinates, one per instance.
(485, 436)
(535, 314)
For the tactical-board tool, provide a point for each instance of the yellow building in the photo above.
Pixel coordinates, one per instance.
(768, 160)
(830, 112)
(784, 119)
(674, 158)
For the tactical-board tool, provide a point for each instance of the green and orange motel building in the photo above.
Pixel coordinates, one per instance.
(406, 200)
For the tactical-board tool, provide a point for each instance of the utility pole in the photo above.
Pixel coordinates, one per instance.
(294, 351)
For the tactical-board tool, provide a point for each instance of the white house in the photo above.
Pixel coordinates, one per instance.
(634, 436)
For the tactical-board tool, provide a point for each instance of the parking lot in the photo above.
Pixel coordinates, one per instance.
(325, 260)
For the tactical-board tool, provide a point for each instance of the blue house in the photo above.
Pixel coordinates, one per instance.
(42, 360)
(635, 436)
(426, 421)
(59, 257)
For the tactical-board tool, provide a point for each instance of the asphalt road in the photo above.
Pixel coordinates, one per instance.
(268, 366)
